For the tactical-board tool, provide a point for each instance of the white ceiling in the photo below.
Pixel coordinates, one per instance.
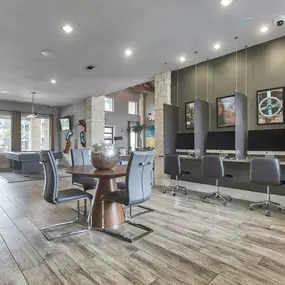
(158, 31)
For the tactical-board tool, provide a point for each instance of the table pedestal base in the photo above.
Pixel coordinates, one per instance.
(114, 214)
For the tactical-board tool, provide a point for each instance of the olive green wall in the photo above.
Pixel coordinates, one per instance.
(266, 69)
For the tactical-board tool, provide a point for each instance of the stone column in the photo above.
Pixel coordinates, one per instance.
(95, 119)
(36, 134)
(162, 96)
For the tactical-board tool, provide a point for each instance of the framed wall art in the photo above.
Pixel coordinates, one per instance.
(226, 111)
(189, 115)
(270, 106)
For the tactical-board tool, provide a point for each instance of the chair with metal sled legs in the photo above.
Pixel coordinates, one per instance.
(53, 196)
(266, 171)
(172, 167)
(138, 190)
(80, 157)
(213, 167)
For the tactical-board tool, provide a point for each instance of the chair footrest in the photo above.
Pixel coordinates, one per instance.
(128, 239)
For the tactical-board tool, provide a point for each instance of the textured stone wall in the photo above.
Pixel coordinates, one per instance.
(95, 119)
(162, 96)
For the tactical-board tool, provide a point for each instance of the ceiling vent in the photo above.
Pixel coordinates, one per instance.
(89, 67)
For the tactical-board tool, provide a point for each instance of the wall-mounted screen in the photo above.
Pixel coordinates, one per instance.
(218, 142)
(226, 111)
(189, 115)
(185, 141)
(270, 106)
(263, 141)
(65, 123)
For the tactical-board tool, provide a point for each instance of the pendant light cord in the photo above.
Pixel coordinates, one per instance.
(177, 87)
(208, 79)
(236, 38)
(177, 99)
(246, 70)
(196, 73)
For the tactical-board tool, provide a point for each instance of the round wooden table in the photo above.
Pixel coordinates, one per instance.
(114, 214)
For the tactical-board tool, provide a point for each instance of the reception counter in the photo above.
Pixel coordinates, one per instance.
(238, 168)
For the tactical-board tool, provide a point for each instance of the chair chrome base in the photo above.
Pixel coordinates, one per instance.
(174, 189)
(45, 230)
(224, 197)
(267, 204)
(130, 240)
(84, 210)
(147, 210)
(121, 236)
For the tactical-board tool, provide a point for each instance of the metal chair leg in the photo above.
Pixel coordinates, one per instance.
(111, 232)
(147, 210)
(175, 188)
(85, 205)
(45, 230)
(225, 198)
(103, 214)
(267, 204)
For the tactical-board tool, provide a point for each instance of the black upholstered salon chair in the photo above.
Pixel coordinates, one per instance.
(172, 167)
(266, 171)
(138, 190)
(79, 157)
(213, 167)
(53, 196)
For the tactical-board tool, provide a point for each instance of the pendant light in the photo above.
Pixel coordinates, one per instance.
(33, 115)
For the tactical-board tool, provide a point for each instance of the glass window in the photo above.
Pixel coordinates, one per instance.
(109, 134)
(35, 134)
(132, 108)
(5, 132)
(109, 104)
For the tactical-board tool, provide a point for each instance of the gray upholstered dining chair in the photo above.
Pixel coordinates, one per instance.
(172, 167)
(266, 171)
(80, 157)
(213, 167)
(138, 190)
(53, 196)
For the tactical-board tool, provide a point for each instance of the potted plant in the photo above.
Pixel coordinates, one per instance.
(137, 129)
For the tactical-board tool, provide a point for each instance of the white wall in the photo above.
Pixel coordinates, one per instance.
(120, 117)
(77, 112)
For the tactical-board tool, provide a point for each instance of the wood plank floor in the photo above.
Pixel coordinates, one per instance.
(193, 243)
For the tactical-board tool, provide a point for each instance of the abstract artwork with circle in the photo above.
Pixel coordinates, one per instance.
(270, 106)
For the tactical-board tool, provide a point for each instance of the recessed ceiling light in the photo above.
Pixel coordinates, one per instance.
(182, 58)
(226, 2)
(217, 46)
(128, 52)
(68, 29)
(47, 53)
(263, 29)
(53, 81)
(5, 91)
